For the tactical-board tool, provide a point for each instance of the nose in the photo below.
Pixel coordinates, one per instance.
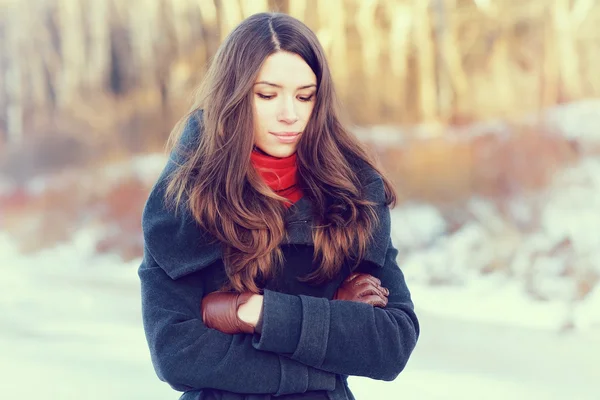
(287, 112)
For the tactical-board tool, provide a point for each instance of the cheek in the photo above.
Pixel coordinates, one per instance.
(261, 122)
(263, 112)
(258, 121)
(306, 110)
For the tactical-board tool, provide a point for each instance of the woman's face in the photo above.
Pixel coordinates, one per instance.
(284, 97)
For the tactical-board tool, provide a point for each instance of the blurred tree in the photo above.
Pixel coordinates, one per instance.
(94, 70)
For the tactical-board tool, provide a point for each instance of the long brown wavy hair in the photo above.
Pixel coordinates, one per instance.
(228, 198)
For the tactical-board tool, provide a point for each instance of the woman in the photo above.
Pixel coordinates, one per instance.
(268, 268)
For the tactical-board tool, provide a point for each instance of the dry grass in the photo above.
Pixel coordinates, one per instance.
(451, 168)
(75, 200)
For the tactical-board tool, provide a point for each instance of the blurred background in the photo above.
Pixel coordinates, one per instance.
(484, 113)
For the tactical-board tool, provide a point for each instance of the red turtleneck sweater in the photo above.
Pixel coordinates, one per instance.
(280, 174)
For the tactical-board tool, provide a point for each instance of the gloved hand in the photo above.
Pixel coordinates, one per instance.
(219, 311)
(363, 288)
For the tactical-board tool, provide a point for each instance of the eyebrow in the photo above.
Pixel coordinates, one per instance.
(281, 87)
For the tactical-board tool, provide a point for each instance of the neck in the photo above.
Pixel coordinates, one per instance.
(280, 174)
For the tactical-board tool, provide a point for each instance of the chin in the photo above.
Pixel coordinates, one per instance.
(279, 151)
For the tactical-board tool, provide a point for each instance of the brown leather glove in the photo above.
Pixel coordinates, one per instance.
(363, 288)
(219, 311)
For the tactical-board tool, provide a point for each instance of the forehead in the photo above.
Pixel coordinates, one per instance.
(286, 69)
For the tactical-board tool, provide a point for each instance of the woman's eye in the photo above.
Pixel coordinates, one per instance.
(265, 96)
(306, 98)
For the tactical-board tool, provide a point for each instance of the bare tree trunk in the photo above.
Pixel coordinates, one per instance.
(570, 72)
(444, 85)
(73, 50)
(501, 63)
(250, 7)
(452, 80)
(144, 36)
(99, 49)
(297, 9)
(332, 18)
(180, 16)
(15, 36)
(367, 28)
(210, 26)
(549, 64)
(3, 82)
(399, 37)
(425, 62)
(35, 93)
(230, 14)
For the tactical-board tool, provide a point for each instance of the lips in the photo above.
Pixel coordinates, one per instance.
(286, 137)
(286, 134)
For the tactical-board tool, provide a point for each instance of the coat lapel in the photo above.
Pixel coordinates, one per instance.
(299, 224)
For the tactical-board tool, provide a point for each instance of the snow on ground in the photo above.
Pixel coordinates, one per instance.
(492, 301)
(552, 264)
(434, 385)
(576, 120)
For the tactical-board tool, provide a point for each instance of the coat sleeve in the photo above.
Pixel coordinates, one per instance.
(184, 352)
(344, 337)
(188, 355)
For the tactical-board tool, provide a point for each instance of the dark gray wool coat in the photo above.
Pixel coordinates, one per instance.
(308, 345)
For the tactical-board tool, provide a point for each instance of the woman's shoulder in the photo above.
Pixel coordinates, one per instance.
(365, 171)
(171, 234)
(370, 179)
(192, 128)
